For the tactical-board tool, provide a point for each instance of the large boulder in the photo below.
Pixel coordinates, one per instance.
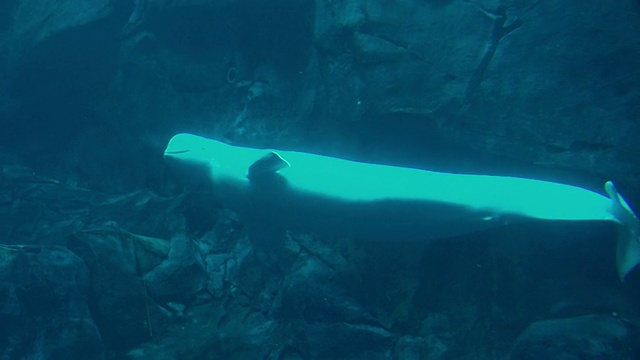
(44, 311)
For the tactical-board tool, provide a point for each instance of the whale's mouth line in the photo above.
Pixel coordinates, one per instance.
(176, 152)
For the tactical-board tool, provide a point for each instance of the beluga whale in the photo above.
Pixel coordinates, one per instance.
(307, 192)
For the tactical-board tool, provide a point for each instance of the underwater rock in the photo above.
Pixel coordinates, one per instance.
(39, 210)
(25, 25)
(181, 275)
(371, 49)
(589, 73)
(155, 216)
(348, 341)
(117, 261)
(429, 348)
(36, 20)
(43, 305)
(583, 337)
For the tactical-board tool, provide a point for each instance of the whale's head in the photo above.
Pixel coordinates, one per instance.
(193, 158)
(190, 148)
(202, 158)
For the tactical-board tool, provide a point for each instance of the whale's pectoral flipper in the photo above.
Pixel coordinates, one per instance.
(268, 164)
(628, 247)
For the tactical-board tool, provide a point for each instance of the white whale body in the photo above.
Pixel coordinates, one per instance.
(309, 192)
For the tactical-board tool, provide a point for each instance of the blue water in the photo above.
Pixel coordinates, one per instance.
(106, 253)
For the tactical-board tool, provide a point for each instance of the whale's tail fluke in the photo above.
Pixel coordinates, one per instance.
(628, 247)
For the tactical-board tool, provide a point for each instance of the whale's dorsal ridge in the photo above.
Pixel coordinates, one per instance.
(266, 165)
